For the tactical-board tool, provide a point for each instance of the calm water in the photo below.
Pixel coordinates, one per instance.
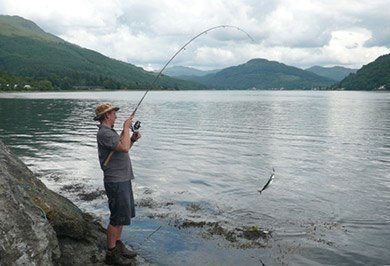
(204, 155)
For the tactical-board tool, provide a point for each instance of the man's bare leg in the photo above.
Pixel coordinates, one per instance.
(113, 234)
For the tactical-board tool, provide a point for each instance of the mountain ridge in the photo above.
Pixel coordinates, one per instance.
(182, 71)
(28, 51)
(336, 73)
(373, 76)
(18, 26)
(29, 55)
(260, 73)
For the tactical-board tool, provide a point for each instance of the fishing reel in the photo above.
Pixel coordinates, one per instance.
(136, 126)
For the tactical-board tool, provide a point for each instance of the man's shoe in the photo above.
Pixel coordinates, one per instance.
(114, 257)
(124, 251)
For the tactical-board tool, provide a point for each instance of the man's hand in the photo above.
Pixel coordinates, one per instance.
(128, 123)
(136, 136)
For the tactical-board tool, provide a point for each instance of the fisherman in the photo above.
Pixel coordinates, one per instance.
(118, 174)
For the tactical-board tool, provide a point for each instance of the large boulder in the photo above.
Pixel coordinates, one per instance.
(40, 227)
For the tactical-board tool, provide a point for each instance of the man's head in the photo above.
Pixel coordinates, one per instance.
(104, 111)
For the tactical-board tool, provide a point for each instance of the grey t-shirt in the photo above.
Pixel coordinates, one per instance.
(119, 167)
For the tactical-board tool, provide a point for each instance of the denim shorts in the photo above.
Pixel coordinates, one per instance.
(120, 202)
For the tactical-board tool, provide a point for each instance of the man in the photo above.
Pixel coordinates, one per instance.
(118, 174)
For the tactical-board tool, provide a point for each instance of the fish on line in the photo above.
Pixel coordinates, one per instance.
(271, 178)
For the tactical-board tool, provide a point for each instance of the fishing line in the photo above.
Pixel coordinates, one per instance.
(183, 48)
(147, 238)
(169, 61)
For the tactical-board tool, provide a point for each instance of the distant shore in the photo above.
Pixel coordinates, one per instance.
(137, 90)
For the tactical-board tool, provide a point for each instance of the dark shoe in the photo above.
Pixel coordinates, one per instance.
(114, 257)
(124, 251)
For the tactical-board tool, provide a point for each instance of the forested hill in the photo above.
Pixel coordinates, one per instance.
(264, 74)
(184, 72)
(30, 55)
(337, 73)
(373, 76)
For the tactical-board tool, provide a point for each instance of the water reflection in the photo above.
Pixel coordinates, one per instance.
(330, 151)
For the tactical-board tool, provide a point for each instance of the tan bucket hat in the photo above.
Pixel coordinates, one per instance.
(104, 108)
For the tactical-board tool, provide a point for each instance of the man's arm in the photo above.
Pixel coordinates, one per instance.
(125, 144)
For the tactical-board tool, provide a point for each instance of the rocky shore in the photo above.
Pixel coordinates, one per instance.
(41, 227)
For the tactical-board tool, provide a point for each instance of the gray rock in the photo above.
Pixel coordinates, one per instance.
(40, 227)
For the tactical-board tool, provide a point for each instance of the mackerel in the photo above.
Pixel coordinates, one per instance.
(271, 178)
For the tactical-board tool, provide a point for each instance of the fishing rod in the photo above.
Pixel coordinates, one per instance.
(138, 123)
(181, 49)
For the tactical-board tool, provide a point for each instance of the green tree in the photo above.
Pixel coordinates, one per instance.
(109, 84)
(66, 83)
(3, 84)
(45, 85)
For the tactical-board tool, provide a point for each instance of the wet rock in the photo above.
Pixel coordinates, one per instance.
(194, 207)
(148, 191)
(250, 234)
(146, 203)
(72, 188)
(40, 227)
(90, 196)
(239, 237)
(82, 193)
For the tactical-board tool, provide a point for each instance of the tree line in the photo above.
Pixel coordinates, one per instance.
(12, 82)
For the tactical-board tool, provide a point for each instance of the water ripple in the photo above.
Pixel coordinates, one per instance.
(330, 151)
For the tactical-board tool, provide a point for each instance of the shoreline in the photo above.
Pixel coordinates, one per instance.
(60, 233)
(39, 226)
(143, 90)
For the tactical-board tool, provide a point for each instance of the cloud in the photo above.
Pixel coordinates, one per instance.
(147, 33)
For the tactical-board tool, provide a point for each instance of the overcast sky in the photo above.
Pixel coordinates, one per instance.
(147, 33)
